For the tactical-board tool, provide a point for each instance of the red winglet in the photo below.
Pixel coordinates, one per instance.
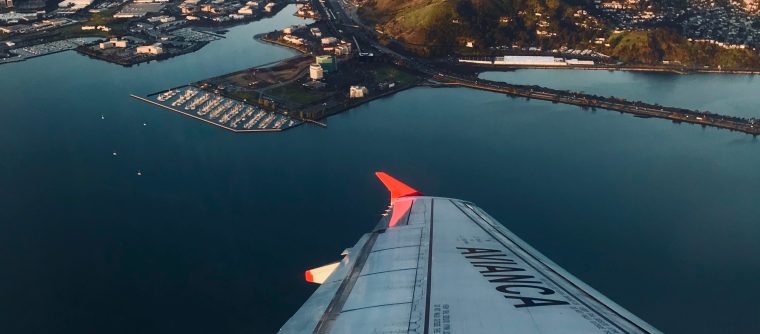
(309, 277)
(397, 188)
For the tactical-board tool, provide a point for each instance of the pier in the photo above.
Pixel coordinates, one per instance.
(222, 112)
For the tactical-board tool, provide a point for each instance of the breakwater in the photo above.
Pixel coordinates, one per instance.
(642, 109)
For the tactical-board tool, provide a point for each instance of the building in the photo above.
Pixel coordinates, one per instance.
(329, 40)
(357, 92)
(293, 39)
(73, 6)
(245, 11)
(527, 61)
(6, 3)
(327, 62)
(343, 49)
(113, 43)
(316, 72)
(154, 49)
(162, 19)
(579, 62)
(132, 10)
(269, 7)
(15, 17)
(209, 8)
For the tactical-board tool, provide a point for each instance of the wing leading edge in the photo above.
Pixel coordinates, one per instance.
(440, 265)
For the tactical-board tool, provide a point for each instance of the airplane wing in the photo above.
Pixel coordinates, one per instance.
(437, 265)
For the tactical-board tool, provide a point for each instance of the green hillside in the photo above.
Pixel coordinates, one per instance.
(657, 45)
(439, 27)
(441, 24)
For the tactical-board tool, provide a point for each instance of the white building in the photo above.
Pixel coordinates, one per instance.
(293, 39)
(245, 11)
(329, 40)
(150, 49)
(356, 92)
(316, 72)
(269, 7)
(579, 62)
(72, 6)
(341, 50)
(528, 61)
(113, 43)
(162, 19)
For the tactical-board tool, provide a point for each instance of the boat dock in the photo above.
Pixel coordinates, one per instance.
(220, 111)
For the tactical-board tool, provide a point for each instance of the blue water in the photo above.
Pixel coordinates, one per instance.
(215, 234)
(730, 94)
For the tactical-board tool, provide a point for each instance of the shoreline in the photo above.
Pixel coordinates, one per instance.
(478, 68)
(636, 108)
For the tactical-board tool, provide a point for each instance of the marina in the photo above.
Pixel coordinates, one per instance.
(224, 112)
(44, 49)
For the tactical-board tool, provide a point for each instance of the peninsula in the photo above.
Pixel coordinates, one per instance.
(343, 64)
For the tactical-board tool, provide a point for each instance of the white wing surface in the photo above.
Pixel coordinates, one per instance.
(443, 266)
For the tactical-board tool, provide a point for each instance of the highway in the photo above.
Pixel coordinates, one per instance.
(343, 20)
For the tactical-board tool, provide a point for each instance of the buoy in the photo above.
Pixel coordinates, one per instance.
(114, 153)
(102, 117)
(139, 173)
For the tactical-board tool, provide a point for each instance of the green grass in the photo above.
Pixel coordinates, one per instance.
(295, 92)
(104, 18)
(391, 73)
(245, 96)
